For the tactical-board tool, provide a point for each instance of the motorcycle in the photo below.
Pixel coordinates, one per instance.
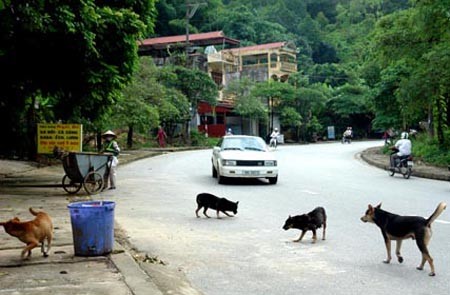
(346, 139)
(273, 142)
(402, 165)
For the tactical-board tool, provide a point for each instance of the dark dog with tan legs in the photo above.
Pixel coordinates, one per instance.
(311, 221)
(210, 201)
(399, 228)
(32, 232)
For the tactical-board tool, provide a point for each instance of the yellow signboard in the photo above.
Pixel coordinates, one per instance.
(67, 137)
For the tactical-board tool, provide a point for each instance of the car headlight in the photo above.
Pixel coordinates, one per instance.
(229, 162)
(270, 163)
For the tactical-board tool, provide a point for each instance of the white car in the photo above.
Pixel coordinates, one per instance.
(242, 156)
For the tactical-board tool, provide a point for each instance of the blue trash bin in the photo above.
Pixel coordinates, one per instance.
(92, 227)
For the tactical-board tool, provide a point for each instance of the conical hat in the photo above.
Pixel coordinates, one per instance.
(109, 132)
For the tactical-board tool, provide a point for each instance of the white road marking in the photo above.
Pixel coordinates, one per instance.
(442, 221)
(310, 192)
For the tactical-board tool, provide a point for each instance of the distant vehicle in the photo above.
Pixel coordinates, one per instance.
(241, 156)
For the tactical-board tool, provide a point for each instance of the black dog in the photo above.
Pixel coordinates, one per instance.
(311, 221)
(399, 228)
(219, 204)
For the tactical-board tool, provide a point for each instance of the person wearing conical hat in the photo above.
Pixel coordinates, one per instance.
(110, 146)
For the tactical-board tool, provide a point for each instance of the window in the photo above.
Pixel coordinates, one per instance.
(249, 60)
(273, 60)
(287, 58)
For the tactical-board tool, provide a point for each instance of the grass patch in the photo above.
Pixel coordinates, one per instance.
(428, 150)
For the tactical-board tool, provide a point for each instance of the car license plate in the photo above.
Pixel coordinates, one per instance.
(251, 172)
(410, 163)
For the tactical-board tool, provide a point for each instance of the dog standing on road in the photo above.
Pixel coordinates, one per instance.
(207, 201)
(311, 221)
(32, 232)
(399, 228)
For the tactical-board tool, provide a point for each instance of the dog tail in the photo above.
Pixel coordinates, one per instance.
(35, 213)
(440, 208)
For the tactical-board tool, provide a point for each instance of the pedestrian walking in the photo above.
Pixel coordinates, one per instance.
(110, 146)
(161, 137)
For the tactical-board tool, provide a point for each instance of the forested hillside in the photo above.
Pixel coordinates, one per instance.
(373, 64)
(370, 64)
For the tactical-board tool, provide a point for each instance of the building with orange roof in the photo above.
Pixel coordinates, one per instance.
(213, 52)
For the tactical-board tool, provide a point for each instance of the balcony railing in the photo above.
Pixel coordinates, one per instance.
(288, 67)
(223, 57)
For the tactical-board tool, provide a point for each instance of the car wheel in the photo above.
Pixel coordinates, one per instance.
(273, 180)
(220, 178)
(214, 171)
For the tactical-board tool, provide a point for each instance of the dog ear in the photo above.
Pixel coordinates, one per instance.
(370, 208)
(15, 219)
(237, 202)
(289, 217)
(378, 206)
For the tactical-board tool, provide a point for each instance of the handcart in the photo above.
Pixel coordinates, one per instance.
(85, 169)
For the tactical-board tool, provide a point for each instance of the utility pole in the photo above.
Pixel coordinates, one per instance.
(191, 9)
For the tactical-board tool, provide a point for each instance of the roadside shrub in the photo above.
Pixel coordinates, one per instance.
(199, 139)
(428, 150)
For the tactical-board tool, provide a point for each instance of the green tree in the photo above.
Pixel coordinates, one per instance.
(78, 54)
(194, 84)
(137, 109)
(351, 107)
(291, 118)
(246, 105)
(147, 103)
(273, 93)
(417, 41)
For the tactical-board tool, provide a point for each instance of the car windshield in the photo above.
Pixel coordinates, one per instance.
(243, 143)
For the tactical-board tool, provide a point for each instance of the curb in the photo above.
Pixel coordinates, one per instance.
(134, 276)
(370, 161)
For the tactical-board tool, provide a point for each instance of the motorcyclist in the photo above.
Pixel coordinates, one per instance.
(348, 134)
(402, 148)
(274, 137)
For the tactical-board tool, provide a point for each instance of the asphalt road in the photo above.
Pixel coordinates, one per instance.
(251, 254)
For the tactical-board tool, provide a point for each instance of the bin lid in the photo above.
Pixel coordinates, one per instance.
(92, 204)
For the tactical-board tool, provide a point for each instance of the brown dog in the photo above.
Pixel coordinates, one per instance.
(31, 232)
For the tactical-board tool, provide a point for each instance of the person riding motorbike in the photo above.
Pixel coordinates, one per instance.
(347, 135)
(402, 149)
(274, 137)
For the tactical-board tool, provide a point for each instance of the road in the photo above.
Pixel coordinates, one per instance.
(251, 254)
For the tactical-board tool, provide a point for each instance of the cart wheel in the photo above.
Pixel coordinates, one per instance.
(93, 182)
(70, 186)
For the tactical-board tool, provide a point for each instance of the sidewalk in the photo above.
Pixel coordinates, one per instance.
(62, 272)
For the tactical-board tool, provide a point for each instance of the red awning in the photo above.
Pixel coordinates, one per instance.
(204, 107)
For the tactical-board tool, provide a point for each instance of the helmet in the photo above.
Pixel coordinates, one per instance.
(404, 135)
(109, 133)
(229, 129)
(276, 129)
